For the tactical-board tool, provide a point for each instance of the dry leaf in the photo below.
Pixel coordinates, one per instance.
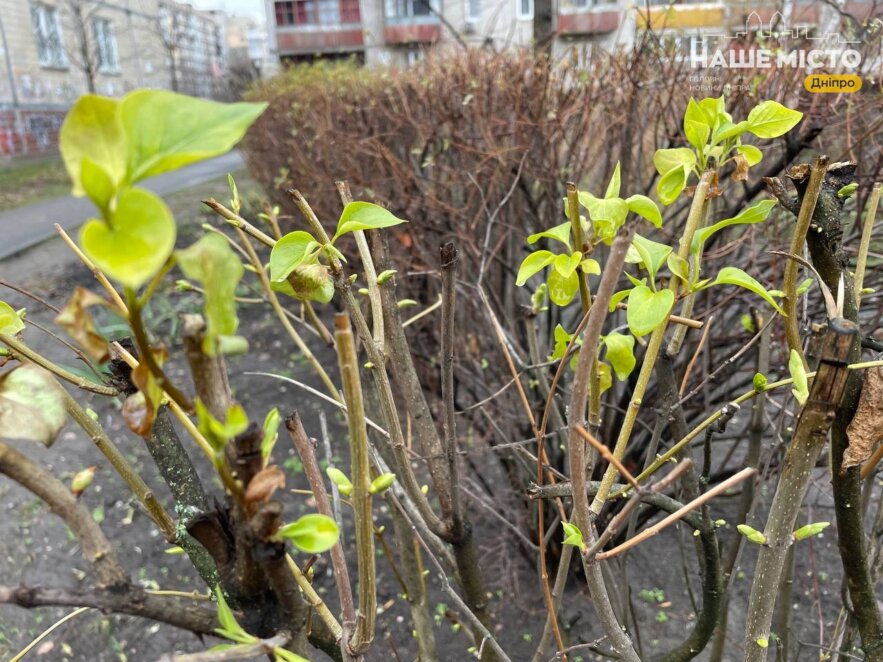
(866, 428)
(262, 486)
(77, 322)
(740, 174)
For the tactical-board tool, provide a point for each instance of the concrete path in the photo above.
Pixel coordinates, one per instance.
(26, 226)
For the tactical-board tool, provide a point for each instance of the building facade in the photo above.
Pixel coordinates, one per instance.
(396, 32)
(52, 51)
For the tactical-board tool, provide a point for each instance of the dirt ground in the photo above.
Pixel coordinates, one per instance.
(36, 548)
(23, 181)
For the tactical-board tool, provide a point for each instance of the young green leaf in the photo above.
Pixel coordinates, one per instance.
(754, 214)
(135, 242)
(763, 642)
(562, 289)
(344, 486)
(671, 184)
(679, 267)
(798, 374)
(92, 129)
(10, 322)
(751, 153)
(307, 282)
(735, 276)
(612, 210)
(289, 252)
(573, 536)
(759, 382)
(666, 160)
(230, 628)
(533, 264)
(219, 433)
(364, 216)
(605, 377)
(31, 405)
(620, 352)
(562, 339)
(213, 263)
(166, 130)
(382, 483)
(648, 309)
(590, 266)
(566, 265)
(283, 655)
(97, 184)
(650, 253)
(810, 530)
(848, 190)
(645, 208)
(751, 534)
(560, 233)
(771, 119)
(696, 125)
(271, 433)
(614, 185)
(312, 533)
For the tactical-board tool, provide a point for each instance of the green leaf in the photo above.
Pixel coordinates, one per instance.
(364, 216)
(697, 128)
(590, 266)
(98, 184)
(651, 254)
(562, 340)
(753, 535)
(735, 276)
(533, 264)
(715, 110)
(617, 298)
(763, 642)
(671, 184)
(573, 536)
(798, 374)
(810, 530)
(271, 433)
(344, 486)
(217, 433)
(562, 289)
(679, 267)
(230, 628)
(288, 253)
(605, 379)
(312, 533)
(848, 190)
(287, 656)
(667, 160)
(560, 233)
(620, 352)
(382, 483)
(92, 129)
(566, 265)
(307, 282)
(136, 242)
(31, 405)
(645, 208)
(648, 309)
(613, 210)
(751, 153)
(213, 263)
(771, 119)
(10, 322)
(754, 214)
(730, 130)
(759, 382)
(166, 130)
(614, 185)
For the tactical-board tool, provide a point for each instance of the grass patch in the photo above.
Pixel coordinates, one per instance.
(24, 182)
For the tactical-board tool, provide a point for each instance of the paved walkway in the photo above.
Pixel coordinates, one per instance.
(26, 226)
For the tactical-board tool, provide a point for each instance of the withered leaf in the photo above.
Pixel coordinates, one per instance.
(866, 428)
(77, 322)
(263, 485)
(740, 174)
(140, 409)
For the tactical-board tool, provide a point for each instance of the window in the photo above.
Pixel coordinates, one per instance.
(105, 46)
(47, 31)
(409, 8)
(316, 12)
(525, 9)
(473, 11)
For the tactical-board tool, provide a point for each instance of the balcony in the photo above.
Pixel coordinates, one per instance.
(681, 17)
(582, 17)
(411, 22)
(318, 26)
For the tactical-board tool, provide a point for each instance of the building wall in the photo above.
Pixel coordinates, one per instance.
(34, 97)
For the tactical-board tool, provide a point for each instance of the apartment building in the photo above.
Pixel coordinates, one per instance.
(52, 51)
(397, 31)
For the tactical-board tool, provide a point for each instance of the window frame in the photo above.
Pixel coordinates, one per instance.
(46, 24)
(105, 46)
(520, 14)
